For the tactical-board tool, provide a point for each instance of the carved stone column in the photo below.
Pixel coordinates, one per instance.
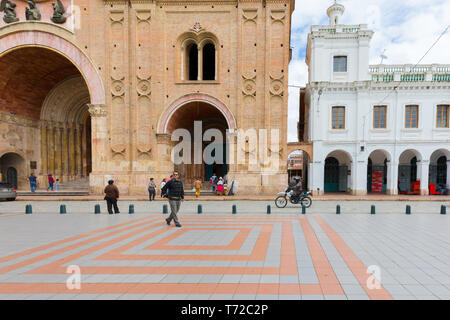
(72, 166)
(58, 158)
(44, 158)
(78, 134)
(51, 148)
(65, 153)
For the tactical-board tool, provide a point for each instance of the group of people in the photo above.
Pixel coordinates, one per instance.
(172, 188)
(52, 183)
(218, 185)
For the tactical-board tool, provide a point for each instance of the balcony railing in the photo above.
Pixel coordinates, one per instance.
(409, 73)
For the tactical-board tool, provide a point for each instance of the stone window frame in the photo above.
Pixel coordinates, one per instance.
(200, 40)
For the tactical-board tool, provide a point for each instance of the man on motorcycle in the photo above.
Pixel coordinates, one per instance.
(298, 187)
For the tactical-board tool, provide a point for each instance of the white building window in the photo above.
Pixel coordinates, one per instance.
(411, 117)
(340, 64)
(442, 116)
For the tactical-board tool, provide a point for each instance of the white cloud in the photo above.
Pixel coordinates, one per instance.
(406, 29)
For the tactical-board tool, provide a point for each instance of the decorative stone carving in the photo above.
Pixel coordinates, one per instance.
(249, 86)
(8, 8)
(143, 88)
(58, 12)
(197, 27)
(118, 88)
(12, 137)
(276, 86)
(32, 13)
(97, 110)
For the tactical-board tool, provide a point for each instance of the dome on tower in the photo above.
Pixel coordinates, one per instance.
(335, 13)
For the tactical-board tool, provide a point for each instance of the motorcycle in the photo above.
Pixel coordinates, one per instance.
(289, 195)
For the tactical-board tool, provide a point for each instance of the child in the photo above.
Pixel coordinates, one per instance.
(57, 185)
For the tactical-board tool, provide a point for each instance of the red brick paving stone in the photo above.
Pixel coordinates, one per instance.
(289, 288)
(358, 269)
(226, 288)
(247, 288)
(235, 244)
(268, 288)
(54, 244)
(327, 278)
(258, 253)
(288, 266)
(82, 253)
(68, 248)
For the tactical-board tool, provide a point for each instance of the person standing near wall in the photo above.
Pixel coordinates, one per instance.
(111, 196)
(51, 181)
(33, 182)
(151, 189)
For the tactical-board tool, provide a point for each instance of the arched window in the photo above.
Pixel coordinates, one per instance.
(209, 61)
(192, 61)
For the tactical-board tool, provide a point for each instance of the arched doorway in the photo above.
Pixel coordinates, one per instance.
(438, 172)
(199, 118)
(47, 95)
(337, 172)
(377, 171)
(13, 170)
(409, 172)
(297, 167)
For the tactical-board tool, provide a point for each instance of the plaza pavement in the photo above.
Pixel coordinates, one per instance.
(218, 255)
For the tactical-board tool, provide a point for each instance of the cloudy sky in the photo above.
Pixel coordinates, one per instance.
(406, 29)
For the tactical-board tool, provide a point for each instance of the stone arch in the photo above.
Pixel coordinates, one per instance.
(379, 172)
(50, 41)
(74, 105)
(195, 97)
(16, 160)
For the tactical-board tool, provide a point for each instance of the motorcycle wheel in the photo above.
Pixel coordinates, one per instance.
(281, 202)
(307, 202)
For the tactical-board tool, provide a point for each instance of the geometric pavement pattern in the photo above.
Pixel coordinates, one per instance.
(210, 257)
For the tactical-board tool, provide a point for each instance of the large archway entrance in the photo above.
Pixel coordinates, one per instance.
(12, 170)
(377, 171)
(409, 172)
(210, 118)
(439, 174)
(44, 98)
(337, 172)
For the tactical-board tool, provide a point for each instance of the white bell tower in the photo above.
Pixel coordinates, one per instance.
(335, 13)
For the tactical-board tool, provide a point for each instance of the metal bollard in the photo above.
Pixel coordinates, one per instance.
(199, 209)
(131, 209)
(338, 209)
(372, 209)
(269, 210)
(28, 209)
(408, 209)
(234, 210)
(443, 209)
(303, 209)
(62, 209)
(97, 209)
(165, 209)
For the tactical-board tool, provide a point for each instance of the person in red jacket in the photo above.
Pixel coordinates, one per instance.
(51, 181)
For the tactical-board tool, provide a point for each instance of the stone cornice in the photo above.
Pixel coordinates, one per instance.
(353, 86)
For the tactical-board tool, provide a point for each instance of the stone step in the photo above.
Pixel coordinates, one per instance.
(52, 193)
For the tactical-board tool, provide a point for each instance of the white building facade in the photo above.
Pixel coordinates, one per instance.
(374, 128)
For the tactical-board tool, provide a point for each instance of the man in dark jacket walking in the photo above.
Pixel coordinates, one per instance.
(176, 195)
(112, 194)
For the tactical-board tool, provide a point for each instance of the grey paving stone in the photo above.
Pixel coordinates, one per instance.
(335, 297)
